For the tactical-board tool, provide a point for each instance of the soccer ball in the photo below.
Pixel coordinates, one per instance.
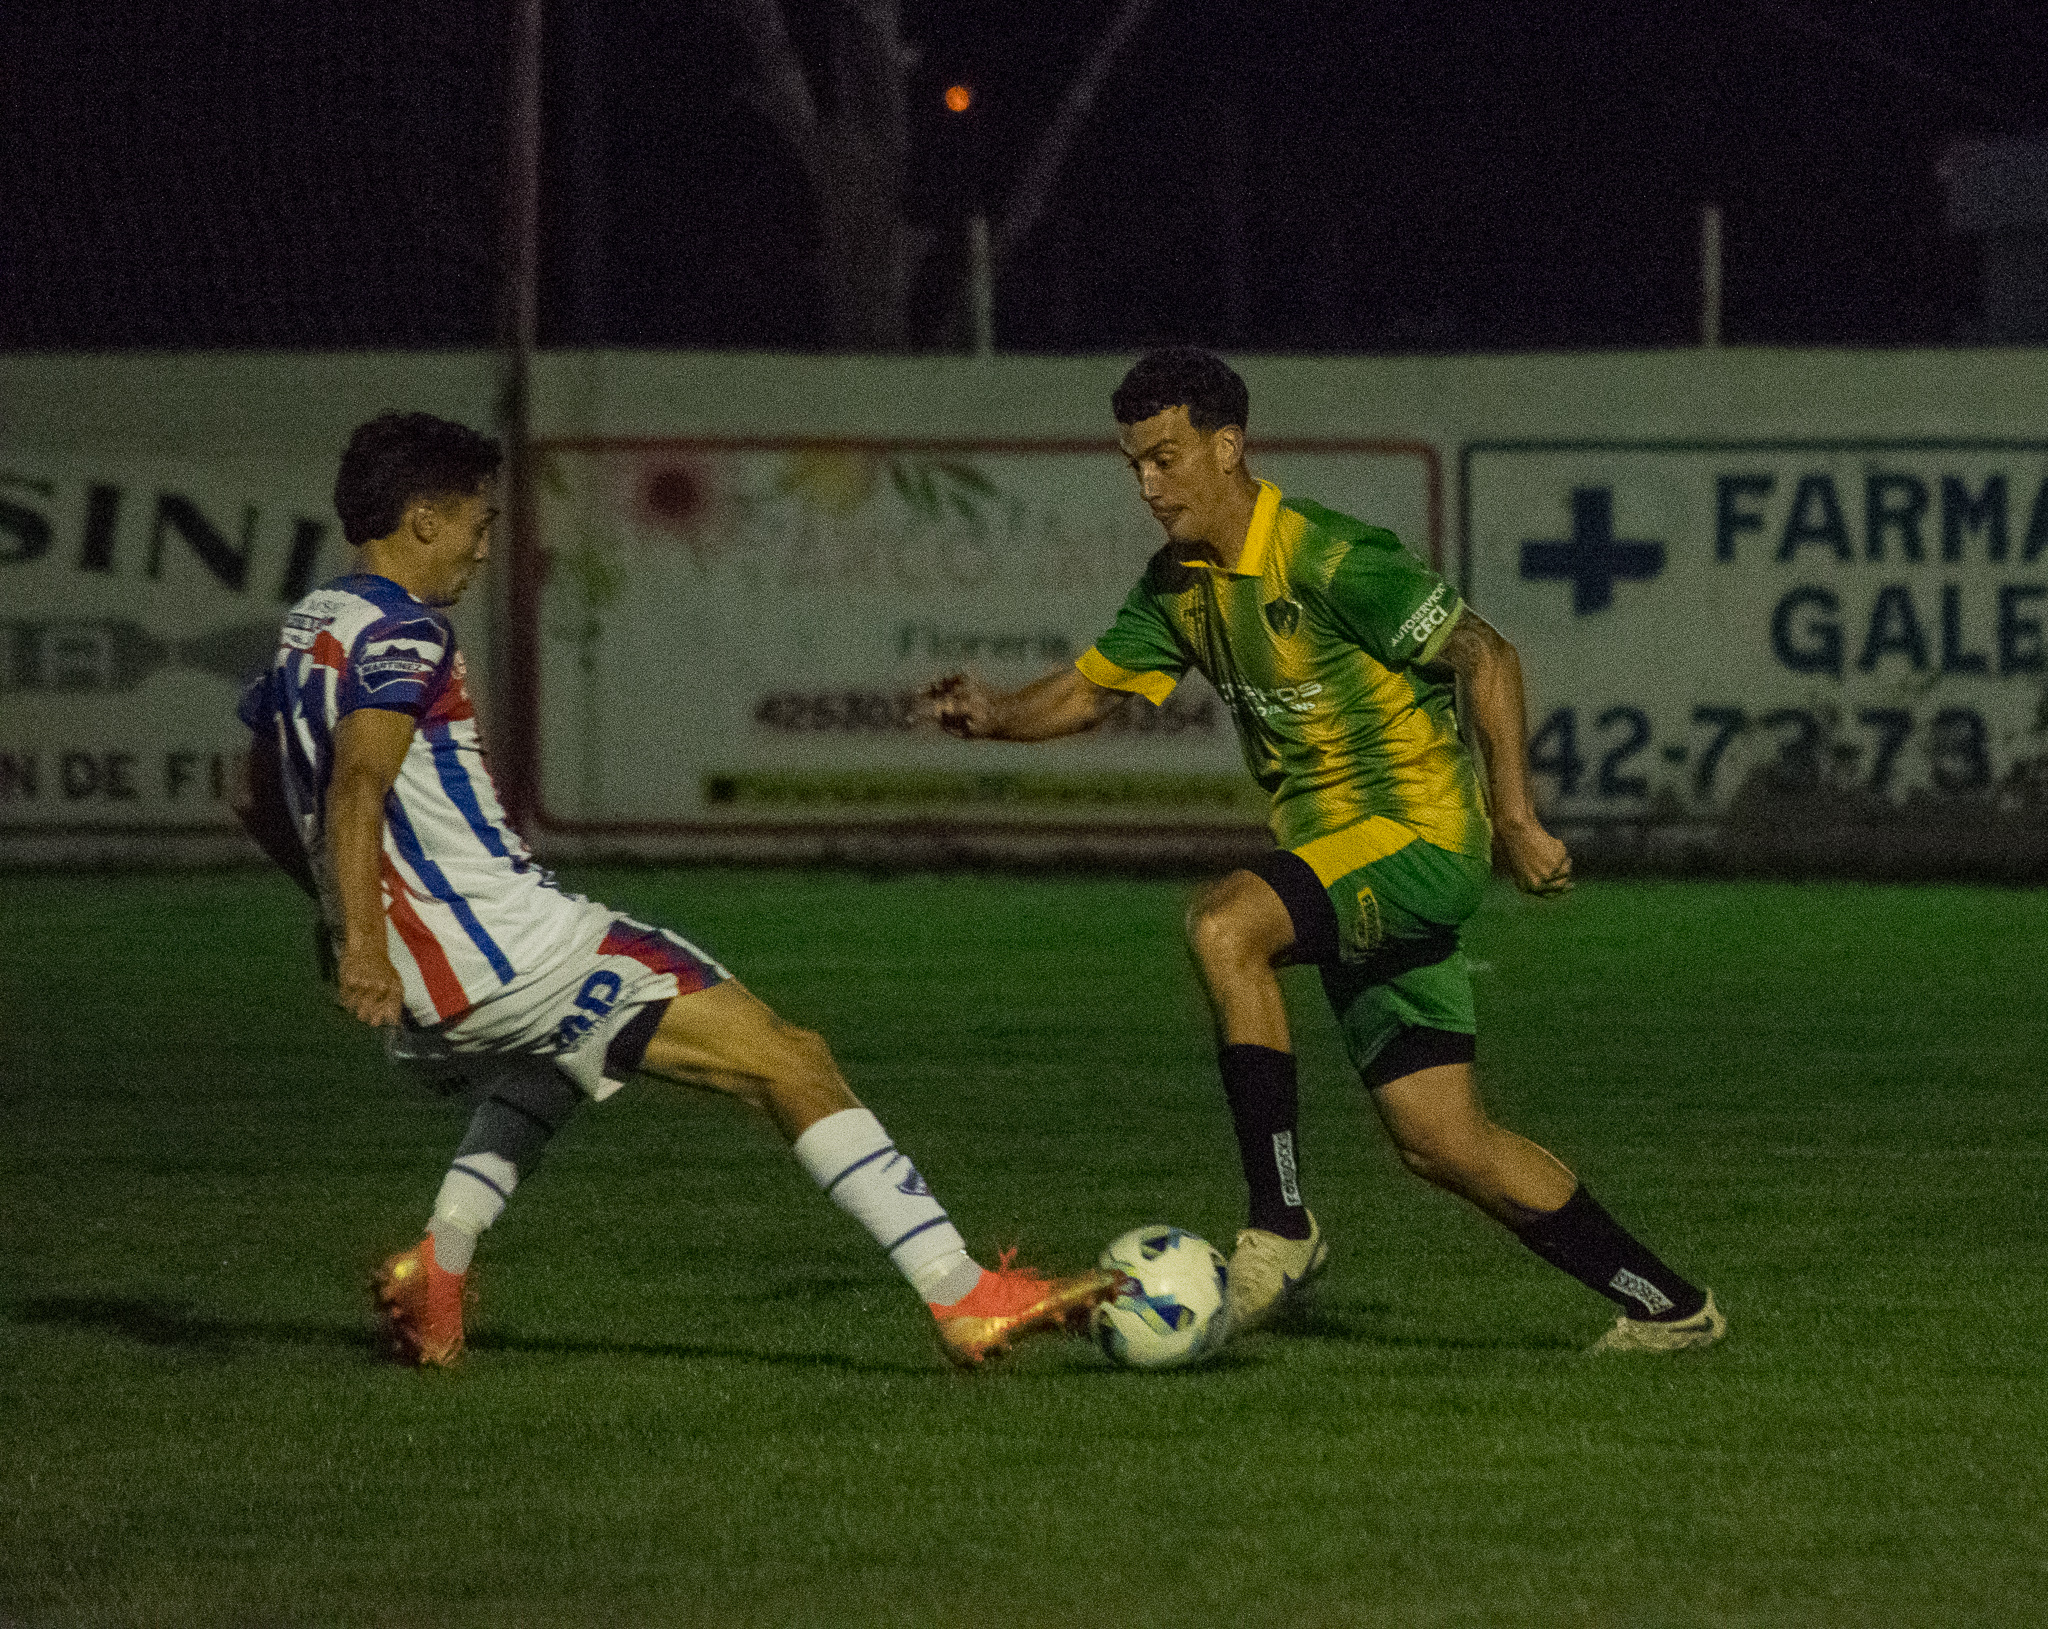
(1174, 1313)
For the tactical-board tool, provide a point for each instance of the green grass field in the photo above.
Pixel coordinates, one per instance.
(698, 1396)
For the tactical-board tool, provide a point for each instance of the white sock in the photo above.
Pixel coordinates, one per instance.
(472, 1197)
(948, 1279)
(850, 1156)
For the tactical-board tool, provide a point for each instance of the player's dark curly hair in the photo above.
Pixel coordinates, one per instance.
(398, 457)
(1183, 376)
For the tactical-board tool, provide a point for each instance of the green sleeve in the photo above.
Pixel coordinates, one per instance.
(1389, 603)
(1139, 652)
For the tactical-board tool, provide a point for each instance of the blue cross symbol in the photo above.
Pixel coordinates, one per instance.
(1592, 557)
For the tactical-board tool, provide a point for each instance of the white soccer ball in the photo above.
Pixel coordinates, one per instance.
(1173, 1311)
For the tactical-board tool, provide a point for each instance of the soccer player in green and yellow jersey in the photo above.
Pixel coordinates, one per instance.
(1345, 663)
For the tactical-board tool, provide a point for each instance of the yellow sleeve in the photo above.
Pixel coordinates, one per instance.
(1099, 669)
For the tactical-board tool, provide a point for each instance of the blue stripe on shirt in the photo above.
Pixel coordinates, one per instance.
(455, 782)
(303, 704)
(441, 888)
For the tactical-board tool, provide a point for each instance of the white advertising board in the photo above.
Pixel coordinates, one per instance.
(1859, 618)
(135, 596)
(731, 632)
(158, 511)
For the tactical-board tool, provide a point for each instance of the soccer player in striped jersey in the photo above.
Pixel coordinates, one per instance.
(1343, 661)
(371, 771)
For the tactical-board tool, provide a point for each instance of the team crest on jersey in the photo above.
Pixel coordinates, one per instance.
(1283, 616)
(409, 651)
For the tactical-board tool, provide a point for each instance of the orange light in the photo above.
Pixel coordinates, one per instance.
(959, 98)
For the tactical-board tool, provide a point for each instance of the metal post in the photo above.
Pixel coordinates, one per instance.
(981, 289)
(516, 649)
(1710, 275)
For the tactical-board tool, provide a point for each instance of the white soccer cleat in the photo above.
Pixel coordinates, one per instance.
(1703, 1328)
(1266, 1271)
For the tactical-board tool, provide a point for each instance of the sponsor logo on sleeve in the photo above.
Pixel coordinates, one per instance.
(1425, 619)
(403, 654)
(300, 629)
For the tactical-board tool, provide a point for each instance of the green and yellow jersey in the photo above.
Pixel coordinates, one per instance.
(1317, 642)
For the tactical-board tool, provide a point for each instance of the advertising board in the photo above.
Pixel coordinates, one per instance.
(732, 633)
(136, 596)
(1716, 621)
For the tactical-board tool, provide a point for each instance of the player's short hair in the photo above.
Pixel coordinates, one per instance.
(1183, 376)
(398, 457)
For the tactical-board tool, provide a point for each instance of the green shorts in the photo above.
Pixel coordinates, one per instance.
(1377, 910)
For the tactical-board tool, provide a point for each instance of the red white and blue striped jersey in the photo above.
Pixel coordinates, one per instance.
(467, 909)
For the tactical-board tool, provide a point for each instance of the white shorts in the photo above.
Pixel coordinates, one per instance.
(571, 1010)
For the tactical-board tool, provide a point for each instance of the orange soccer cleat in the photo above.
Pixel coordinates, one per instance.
(419, 1308)
(1008, 1303)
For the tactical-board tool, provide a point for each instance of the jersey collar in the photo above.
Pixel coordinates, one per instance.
(375, 586)
(1258, 536)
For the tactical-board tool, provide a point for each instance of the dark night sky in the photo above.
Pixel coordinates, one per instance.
(1446, 177)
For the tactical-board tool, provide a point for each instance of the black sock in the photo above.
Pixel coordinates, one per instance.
(1259, 1083)
(1580, 1238)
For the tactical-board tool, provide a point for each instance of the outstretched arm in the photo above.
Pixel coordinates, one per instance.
(369, 747)
(1064, 702)
(1490, 686)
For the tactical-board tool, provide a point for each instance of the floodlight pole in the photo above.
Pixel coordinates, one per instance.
(516, 646)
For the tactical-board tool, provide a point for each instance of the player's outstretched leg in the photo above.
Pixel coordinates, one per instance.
(1445, 1136)
(520, 1103)
(727, 1039)
(1237, 930)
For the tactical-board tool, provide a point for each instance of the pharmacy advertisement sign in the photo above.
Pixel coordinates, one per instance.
(1708, 622)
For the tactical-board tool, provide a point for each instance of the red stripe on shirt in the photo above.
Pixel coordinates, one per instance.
(443, 987)
(451, 706)
(328, 652)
